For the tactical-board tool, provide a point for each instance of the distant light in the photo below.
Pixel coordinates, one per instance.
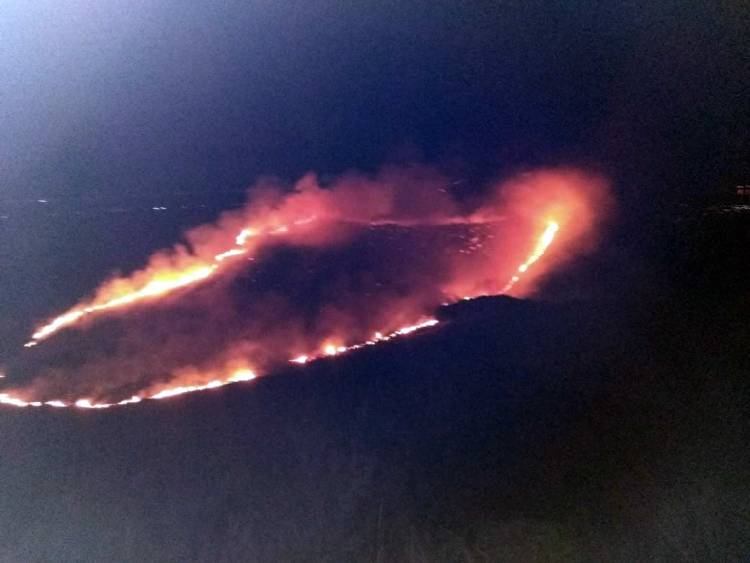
(42, 201)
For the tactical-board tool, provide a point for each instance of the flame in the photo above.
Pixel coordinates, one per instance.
(245, 234)
(310, 216)
(237, 376)
(155, 288)
(334, 350)
(160, 285)
(541, 247)
(329, 349)
(229, 253)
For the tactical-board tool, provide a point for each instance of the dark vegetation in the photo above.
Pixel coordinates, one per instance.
(606, 428)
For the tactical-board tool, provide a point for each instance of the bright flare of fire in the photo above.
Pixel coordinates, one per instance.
(161, 285)
(236, 376)
(377, 338)
(541, 247)
(154, 288)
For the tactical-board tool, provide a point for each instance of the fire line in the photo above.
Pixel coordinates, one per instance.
(156, 288)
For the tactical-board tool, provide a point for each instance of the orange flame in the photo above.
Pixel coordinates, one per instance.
(155, 288)
(568, 209)
(541, 247)
(236, 376)
(246, 374)
(161, 284)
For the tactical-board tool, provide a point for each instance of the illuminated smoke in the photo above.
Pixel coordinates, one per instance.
(434, 249)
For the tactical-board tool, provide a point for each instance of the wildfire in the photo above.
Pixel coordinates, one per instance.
(159, 287)
(236, 376)
(315, 216)
(154, 288)
(244, 374)
(162, 284)
(377, 338)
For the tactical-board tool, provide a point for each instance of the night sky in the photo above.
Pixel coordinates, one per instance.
(143, 98)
